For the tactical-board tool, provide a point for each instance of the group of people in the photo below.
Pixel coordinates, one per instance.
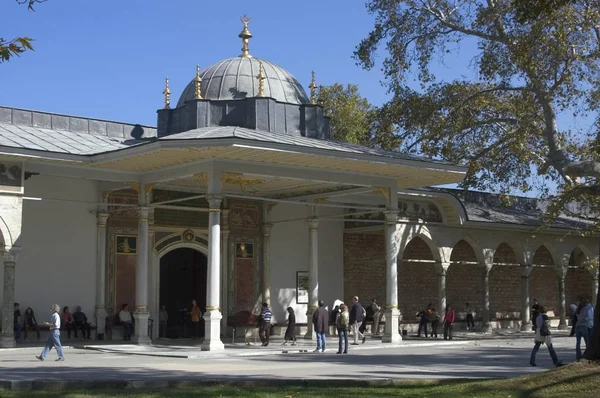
(431, 315)
(71, 322)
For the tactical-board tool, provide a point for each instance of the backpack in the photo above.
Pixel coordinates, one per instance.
(343, 319)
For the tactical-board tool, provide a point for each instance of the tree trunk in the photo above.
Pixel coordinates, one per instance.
(593, 351)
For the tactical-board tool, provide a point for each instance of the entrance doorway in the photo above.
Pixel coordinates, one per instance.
(183, 278)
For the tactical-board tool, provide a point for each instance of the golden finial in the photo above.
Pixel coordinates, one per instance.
(198, 84)
(245, 35)
(313, 89)
(167, 93)
(261, 80)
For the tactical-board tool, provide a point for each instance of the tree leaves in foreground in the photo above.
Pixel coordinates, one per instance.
(503, 122)
(17, 46)
(529, 10)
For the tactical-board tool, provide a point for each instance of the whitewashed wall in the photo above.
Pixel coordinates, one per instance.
(58, 260)
(289, 254)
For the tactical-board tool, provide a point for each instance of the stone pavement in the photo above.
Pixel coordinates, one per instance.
(114, 366)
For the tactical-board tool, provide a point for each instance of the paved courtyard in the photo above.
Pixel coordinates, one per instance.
(503, 357)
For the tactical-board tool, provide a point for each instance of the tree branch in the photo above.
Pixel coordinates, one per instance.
(586, 168)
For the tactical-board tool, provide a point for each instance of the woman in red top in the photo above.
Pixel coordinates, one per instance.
(449, 322)
(67, 321)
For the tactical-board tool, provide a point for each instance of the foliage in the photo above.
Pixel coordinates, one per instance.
(529, 10)
(353, 119)
(17, 46)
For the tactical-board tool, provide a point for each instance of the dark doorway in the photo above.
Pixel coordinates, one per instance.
(182, 279)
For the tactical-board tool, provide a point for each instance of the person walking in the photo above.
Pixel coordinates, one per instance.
(535, 311)
(435, 323)
(195, 318)
(342, 322)
(357, 314)
(320, 321)
(265, 327)
(376, 317)
(54, 337)
(470, 320)
(290, 332)
(449, 322)
(585, 315)
(542, 336)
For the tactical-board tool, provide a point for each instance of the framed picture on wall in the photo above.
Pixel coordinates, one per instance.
(126, 245)
(301, 287)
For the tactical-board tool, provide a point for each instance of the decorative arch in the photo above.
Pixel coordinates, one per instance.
(466, 250)
(5, 236)
(505, 254)
(544, 257)
(181, 245)
(420, 247)
(460, 283)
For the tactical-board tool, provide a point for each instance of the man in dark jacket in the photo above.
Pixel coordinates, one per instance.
(357, 315)
(321, 324)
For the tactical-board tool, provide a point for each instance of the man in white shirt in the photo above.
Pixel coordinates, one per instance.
(54, 337)
(125, 318)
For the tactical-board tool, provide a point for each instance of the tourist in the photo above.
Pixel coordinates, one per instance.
(68, 322)
(449, 318)
(265, 327)
(320, 322)
(573, 308)
(290, 332)
(17, 322)
(81, 322)
(585, 317)
(333, 317)
(357, 315)
(470, 321)
(342, 321)
(163, 317)
(435, 322)
(54, 337)
(535, 312)
(425, 317)
(125, 318)
(30, 322)
(591, 321)
(376, 316)
(542, 336)
(195, 318)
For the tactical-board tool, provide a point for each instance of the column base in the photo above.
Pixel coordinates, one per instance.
(563, 325)
(487, 328)
(391, 333)
(212, 331)
(7, 342)
(526, 326)
(100, 323)
(310, 328)
(140, 335)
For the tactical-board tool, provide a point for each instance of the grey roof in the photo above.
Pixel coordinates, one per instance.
(489, 208)
(235, 78)
(69, 142)
(299, 141)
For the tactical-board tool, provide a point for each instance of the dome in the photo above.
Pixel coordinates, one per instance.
(236, 78)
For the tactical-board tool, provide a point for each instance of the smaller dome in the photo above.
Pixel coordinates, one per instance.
(236, 78)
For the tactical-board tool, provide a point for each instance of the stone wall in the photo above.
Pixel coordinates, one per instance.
(464, 284)
(417, 287)
(364, 267)
(543, 286)
(505, 291)
(578, 282)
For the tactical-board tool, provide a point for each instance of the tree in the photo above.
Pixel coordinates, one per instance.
(353, 119)
(529, 10)
(17, 46)
(503, 122)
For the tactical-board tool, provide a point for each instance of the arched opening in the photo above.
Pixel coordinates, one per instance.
(183, 278)
(544, 281)
(505, 284)
(464, 282)
(417, 278)
(578, 280)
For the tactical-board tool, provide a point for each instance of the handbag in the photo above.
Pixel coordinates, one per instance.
(544, 330)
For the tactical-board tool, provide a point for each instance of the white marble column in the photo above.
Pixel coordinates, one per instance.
(212, 316)
(486, 324)
(442, 271)
(525, 304)
(153, 273)
(224, 270)
(594, 292)
(313, 275)
(391, 332)
(141, 313)
(100, 309)
(9, 257)
(562, 273)
(266, 274)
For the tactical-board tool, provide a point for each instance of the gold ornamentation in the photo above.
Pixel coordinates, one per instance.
(313, 89)
(167, 93)
(245, 35)
(321, 200)
(135, 186)
(238, 179)
(261, 80)
(198, 84)
(384, 191)
(201, 176)
(244, 250)
(106, 195)
(214, 210)
(149, 187)
(213, 308)
(126, 245)
(141, 307)
(188, 236)
(270, 207)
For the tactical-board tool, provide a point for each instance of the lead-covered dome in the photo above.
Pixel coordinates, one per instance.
(237, 78)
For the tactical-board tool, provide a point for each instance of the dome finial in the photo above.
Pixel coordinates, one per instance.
(261, 80)
(313, 88)
(198, 84)
(245, 35)
(167, 93)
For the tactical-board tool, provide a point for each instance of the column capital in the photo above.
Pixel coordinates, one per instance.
(10, 255)
(266, 229)
(214, 203)
(143, 212)
(313, 223)
(102, 218)
(526, 270)
(391, 216)
(561, 272)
